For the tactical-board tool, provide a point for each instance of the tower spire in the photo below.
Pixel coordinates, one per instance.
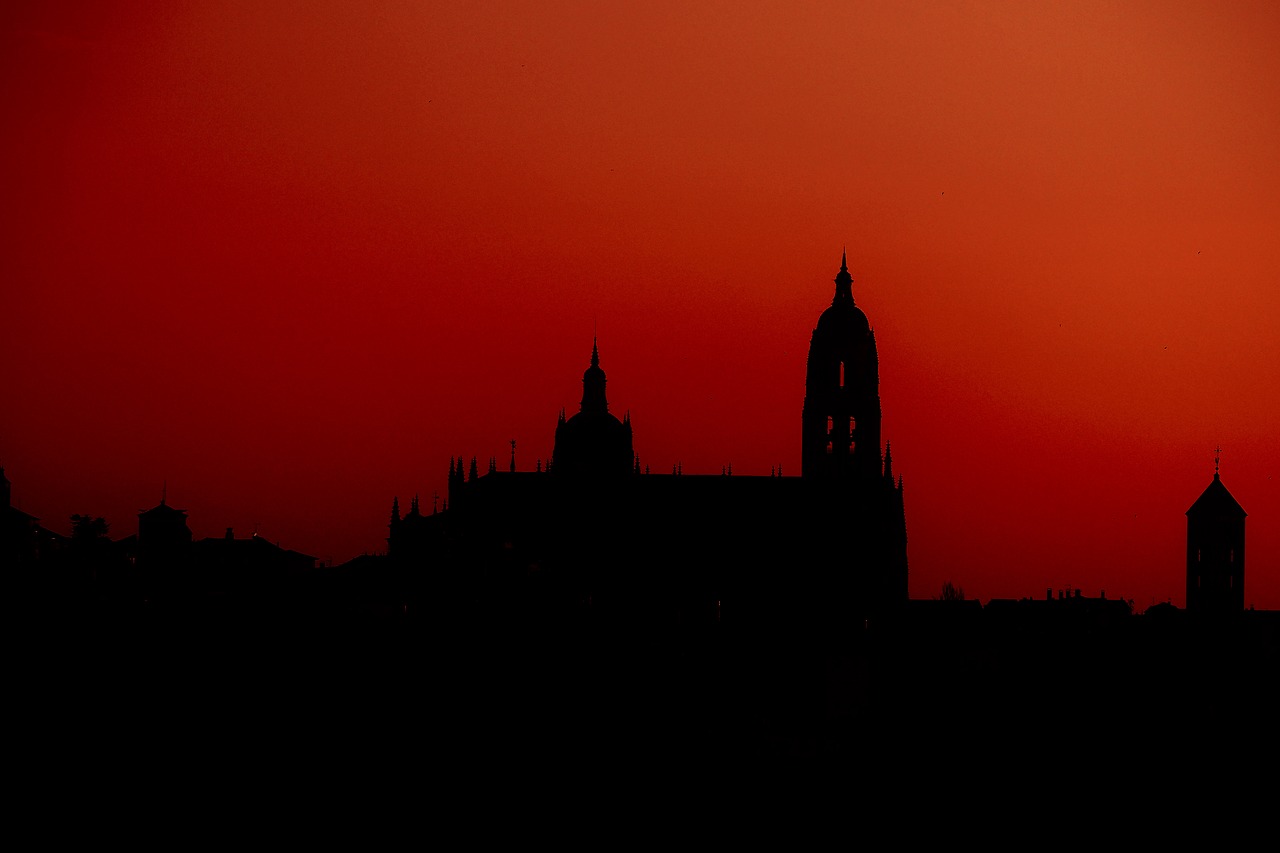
(1217, 457)
(593, 382)
(844, 281)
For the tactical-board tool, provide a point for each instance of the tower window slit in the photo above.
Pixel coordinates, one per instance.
(842, 374)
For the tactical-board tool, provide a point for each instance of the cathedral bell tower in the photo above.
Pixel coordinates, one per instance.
(1215, 551)
(840, 438)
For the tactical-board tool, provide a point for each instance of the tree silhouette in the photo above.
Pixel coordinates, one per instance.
(92, 566)
(951, 592)
(87, 531)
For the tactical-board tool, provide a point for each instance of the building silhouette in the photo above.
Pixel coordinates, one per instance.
(593, 443)
(593, 535)
(840, 435)
(172, 567)
(1215, 551)
(459, 622)
(19, 531)
(163, 551)
(24, 543)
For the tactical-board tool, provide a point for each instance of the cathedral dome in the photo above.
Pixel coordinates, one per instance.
(593, 444)
(598, 430)
(593, 441)
(843, 318)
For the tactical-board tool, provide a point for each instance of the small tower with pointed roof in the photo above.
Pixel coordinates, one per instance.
(1215, 550)
(164, 548)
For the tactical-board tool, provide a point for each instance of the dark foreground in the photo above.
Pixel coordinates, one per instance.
(344, 706)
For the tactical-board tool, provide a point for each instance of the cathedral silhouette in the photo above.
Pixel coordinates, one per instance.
(594, 536)
(757, 617)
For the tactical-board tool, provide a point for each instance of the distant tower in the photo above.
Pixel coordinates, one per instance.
(163, 533)
(840, 425)
(164, 548)
(1215, 551)
(593, 443)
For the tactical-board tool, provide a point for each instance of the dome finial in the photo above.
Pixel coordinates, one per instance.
(593, 382)
(844, 281)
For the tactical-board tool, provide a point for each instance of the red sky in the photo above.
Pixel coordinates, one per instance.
(290, 258)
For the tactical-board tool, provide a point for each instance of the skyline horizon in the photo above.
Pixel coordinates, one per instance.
(289, 261)
(493, 462)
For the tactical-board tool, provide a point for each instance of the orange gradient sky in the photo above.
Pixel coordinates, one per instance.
(290, 257)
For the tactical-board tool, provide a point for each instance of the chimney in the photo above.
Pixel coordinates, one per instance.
(229, 535)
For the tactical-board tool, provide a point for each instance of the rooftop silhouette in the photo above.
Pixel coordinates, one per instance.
(746, 615)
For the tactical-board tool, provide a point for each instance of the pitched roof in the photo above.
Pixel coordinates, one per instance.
(1216, 500)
